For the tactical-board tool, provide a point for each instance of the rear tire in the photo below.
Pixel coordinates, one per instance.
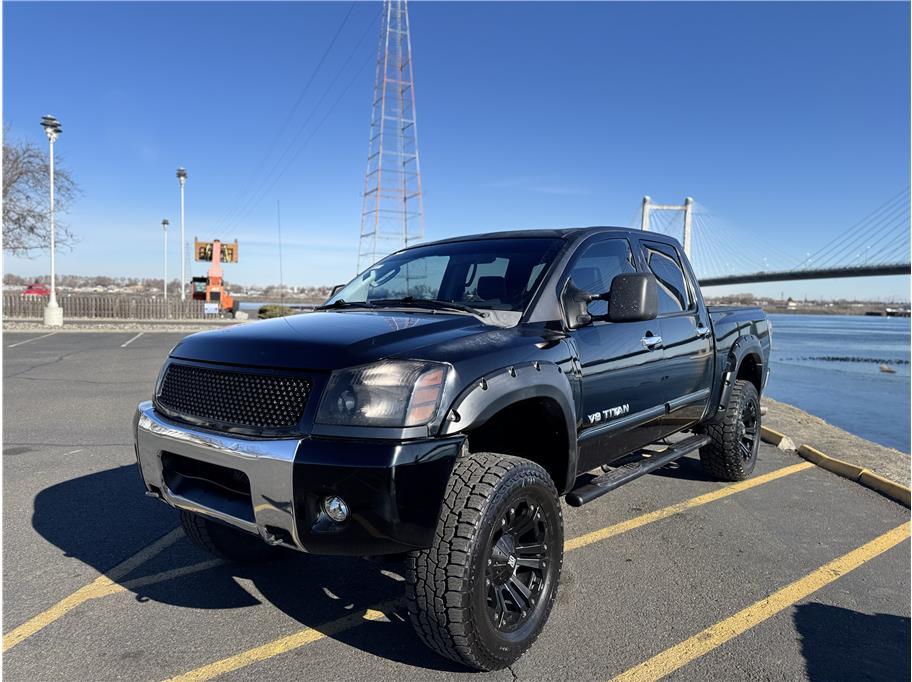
(483, 592)
(732, 453)
(226, 543)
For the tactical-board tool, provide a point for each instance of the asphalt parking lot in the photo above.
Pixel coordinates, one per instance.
(794, 574)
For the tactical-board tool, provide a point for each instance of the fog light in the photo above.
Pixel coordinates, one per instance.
(335, 508)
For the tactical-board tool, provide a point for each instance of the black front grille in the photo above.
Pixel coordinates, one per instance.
(219, 397)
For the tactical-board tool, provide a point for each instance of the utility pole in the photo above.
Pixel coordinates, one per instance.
(53, 313)
(392, 212)
(686, 207)
(165, 224)
(182, 178)
(281, 279)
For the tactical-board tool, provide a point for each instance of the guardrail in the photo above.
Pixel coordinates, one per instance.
(101, 306)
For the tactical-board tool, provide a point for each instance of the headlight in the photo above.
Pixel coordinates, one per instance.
(395, 393)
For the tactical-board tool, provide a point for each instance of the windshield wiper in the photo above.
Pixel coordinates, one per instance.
(432, 303)
(342, 303)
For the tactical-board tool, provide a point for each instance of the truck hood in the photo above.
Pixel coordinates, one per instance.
(328, 340)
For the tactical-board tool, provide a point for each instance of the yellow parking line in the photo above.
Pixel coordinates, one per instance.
(664, 513)
(156, 578)
(285, 644)
(99, 587)
(310, 635)
(668, 661)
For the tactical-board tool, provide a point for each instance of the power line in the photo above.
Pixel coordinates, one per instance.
(266, 188)
(228, 215)
(269, 179)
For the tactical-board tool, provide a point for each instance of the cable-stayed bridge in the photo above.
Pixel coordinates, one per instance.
(878, 244)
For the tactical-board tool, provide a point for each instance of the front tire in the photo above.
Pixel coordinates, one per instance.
(226, 543)
(483, 592)
(732, 453)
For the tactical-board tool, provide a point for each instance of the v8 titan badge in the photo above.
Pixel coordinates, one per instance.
(610, 413)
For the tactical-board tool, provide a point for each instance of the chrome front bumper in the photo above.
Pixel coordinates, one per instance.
(268, 465)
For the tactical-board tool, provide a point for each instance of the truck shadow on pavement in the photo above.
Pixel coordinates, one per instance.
(685, 469)
(842, 644)
(103, 518)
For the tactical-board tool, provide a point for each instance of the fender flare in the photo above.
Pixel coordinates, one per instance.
(491, 393)
(743, 347)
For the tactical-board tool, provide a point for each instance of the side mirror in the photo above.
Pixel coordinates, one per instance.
(634, 297)
(336, 289)
(576, 302)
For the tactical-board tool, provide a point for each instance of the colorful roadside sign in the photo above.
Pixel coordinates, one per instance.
(202, 251)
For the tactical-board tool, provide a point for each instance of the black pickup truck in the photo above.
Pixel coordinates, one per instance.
(437, 407)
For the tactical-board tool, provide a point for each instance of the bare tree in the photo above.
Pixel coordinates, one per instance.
(26, 205)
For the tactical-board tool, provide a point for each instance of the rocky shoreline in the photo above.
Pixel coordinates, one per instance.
(803, 427)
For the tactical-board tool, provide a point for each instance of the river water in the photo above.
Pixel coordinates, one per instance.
(829, 365)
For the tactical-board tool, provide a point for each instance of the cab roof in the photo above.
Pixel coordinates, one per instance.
(567, 233)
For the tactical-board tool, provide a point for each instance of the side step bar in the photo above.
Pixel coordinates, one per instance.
(615, 479)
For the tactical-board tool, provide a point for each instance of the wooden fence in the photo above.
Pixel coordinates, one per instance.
(104, 306)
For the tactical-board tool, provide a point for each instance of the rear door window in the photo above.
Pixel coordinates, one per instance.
(663, 261)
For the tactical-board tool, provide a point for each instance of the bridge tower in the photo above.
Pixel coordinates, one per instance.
(392, 212)
(686, 207)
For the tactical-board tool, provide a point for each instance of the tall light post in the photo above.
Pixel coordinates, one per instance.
(182, 179)
(165, 224)
(53, 313)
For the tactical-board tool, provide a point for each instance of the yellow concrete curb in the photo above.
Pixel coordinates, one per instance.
(885, 486)
(837, 466)
(768, 435)
(895, 491)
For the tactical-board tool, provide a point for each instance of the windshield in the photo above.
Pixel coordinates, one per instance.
(486, 274)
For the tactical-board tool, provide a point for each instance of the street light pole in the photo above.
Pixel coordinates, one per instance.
(182, 178)
(53, 313)
(165, 224)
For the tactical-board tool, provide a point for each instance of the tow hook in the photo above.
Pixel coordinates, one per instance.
(270, 538)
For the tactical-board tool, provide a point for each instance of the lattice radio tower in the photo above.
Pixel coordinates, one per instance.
(392, 214)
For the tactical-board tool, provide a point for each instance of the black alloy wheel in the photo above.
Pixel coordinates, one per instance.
(749, 427)
(518, 565)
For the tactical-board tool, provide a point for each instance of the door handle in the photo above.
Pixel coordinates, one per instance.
(651, 342)
(703, 331)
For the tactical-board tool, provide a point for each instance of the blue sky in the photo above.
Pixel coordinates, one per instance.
(789, 122)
